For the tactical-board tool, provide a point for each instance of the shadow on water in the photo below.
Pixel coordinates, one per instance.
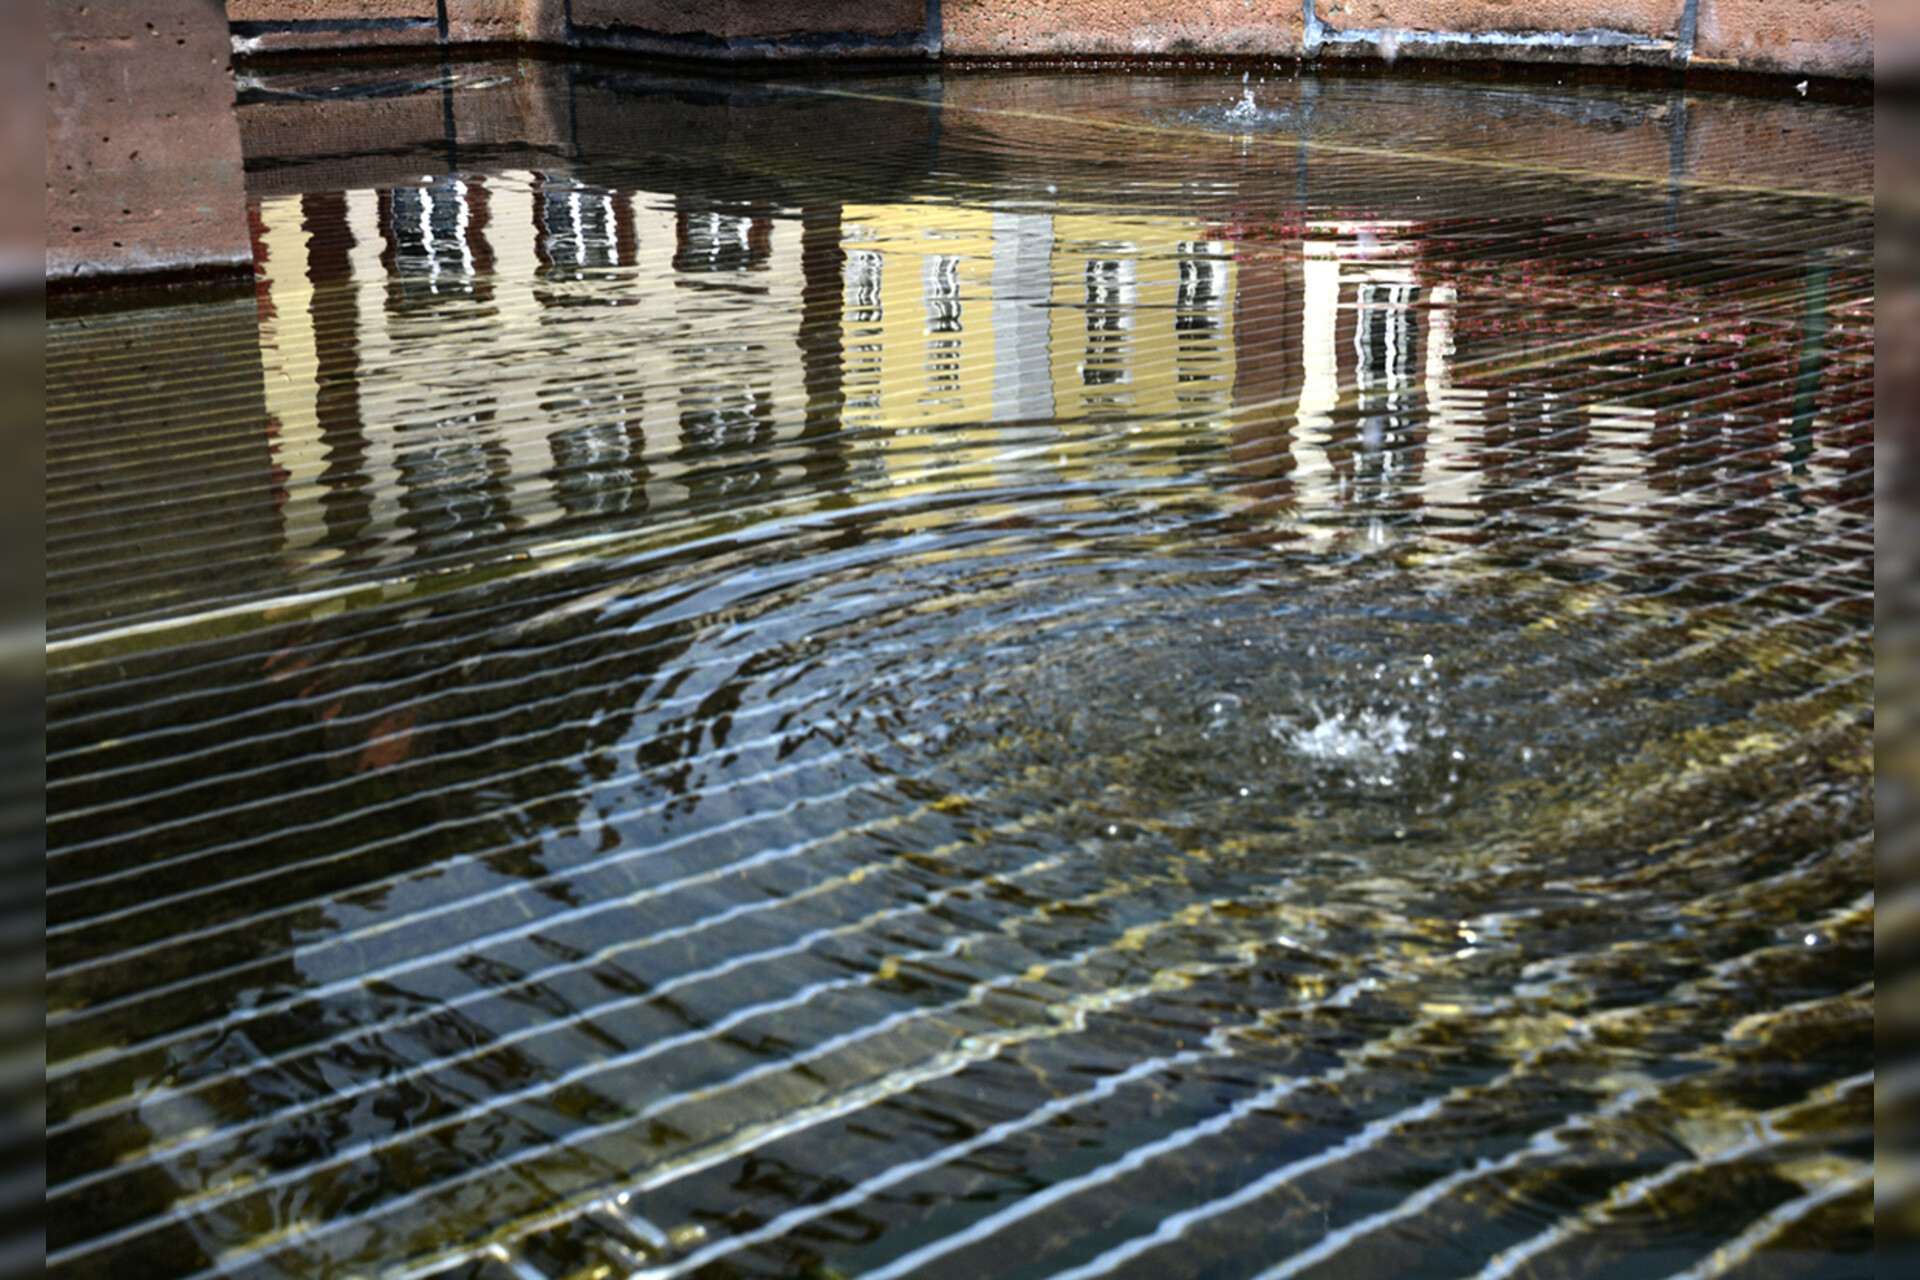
(1020, 675)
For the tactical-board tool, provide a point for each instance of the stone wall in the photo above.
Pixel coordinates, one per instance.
(280, 26)
(1131, 28)
(752, 30)
(143, 156)
(1778, 37)
(1798, 37)
(722, 30)
(143, 152)
(1781, 37)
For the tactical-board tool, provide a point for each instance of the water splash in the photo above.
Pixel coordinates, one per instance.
(1218, 710)
(1246, 110)
(1244, 115)
(1371, 743)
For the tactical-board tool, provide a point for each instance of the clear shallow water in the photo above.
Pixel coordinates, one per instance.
(1000, 678)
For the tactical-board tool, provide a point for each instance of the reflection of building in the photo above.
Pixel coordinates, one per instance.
(1360, 294)
(516, 349)
(1147, 301)
(917, 317)
(714, 238)
(477, 357)
(965, 331)
(968, 317)
(434, 241)
(580, 228)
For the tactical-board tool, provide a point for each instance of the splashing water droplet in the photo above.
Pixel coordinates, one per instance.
(1219, 709)
(1245, 111)
(1374, 740)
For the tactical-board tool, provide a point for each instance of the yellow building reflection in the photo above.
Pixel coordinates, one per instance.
(958, 317)
(479, 358)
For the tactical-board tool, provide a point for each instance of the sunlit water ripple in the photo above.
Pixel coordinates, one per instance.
(1068, 696)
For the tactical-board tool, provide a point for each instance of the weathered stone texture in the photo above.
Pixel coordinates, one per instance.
(279, 25)
(1822, 37)
(143, 151)
(755, 19)
(1653, 18)
(341, 11)
(1798, 37)
(22, 58)
(1138, 28)
(493, 21)
(750, 31)
(320, 144)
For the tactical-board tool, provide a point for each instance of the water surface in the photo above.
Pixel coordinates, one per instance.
(1023, 676)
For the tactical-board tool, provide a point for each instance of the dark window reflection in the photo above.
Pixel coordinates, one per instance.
(598, 468)
(454, 481)
(724, 419)
(580, 227)
(1110, 296)
(435, 242)
(718, 240)
(1201, 298)
(942, 291)
(724, 434)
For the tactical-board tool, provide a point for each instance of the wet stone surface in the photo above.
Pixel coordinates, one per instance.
(1025, 676)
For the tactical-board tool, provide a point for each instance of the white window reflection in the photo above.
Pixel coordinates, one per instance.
(1204, 286)
(717, 240)
(863, 277)
(578, 226)
(1112, 290)
(1360, 270)
(431, 236)
(940, 287)
(940, 279)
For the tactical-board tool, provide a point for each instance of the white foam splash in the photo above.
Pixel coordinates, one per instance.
(1368, 741)
(1245, 110)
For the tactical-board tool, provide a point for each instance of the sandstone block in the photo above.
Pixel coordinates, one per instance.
(143, 150)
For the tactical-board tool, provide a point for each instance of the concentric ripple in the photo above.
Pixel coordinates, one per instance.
(1069, 692)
